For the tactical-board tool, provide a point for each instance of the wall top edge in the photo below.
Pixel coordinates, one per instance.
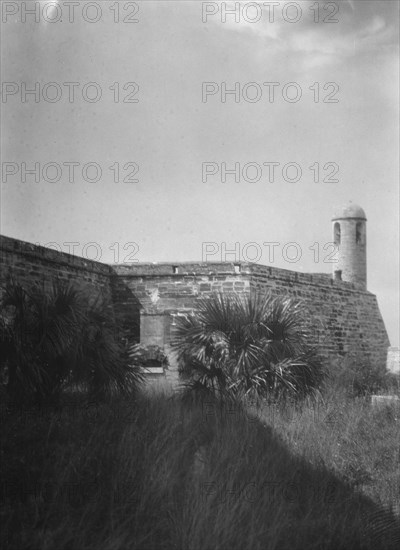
(17, 246)
(176, 269)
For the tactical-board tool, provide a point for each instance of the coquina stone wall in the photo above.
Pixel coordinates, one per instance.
(30, 263)
(343, 319)
(165, 290)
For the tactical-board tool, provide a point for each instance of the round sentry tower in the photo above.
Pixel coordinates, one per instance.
(350, 236)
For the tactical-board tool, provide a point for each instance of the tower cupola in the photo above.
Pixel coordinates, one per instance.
(350, 236)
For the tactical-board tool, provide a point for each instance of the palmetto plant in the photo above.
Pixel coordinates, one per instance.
(255, 345)
(56, 336)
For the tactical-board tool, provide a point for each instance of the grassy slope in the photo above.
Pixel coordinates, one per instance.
(159, 475)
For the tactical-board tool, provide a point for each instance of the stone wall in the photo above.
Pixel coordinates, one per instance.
(343, 318)
(164, 290)
(30, 263)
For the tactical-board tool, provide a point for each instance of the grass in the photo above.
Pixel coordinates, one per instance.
(159, 474)
(358, 443)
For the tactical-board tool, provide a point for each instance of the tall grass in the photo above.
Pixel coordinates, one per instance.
(355, 441)
(158, 474)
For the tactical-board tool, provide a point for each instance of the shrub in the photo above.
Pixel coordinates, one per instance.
(358, 376)
(247, 345)
(56, 337)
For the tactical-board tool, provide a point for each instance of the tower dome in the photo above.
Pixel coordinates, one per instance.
(350, 210)
(350, 238)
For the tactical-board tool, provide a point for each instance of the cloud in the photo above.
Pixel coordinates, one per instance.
(361, 27)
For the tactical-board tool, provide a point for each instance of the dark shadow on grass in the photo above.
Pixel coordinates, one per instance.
(156, 475)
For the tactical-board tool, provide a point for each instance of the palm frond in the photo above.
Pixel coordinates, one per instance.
(56, 335)
(256, 343)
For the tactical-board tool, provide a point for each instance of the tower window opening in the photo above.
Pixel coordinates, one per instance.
(336, 233)
(338, 275)
(359, 233)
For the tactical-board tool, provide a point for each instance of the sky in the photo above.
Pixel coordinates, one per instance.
(190, 102)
